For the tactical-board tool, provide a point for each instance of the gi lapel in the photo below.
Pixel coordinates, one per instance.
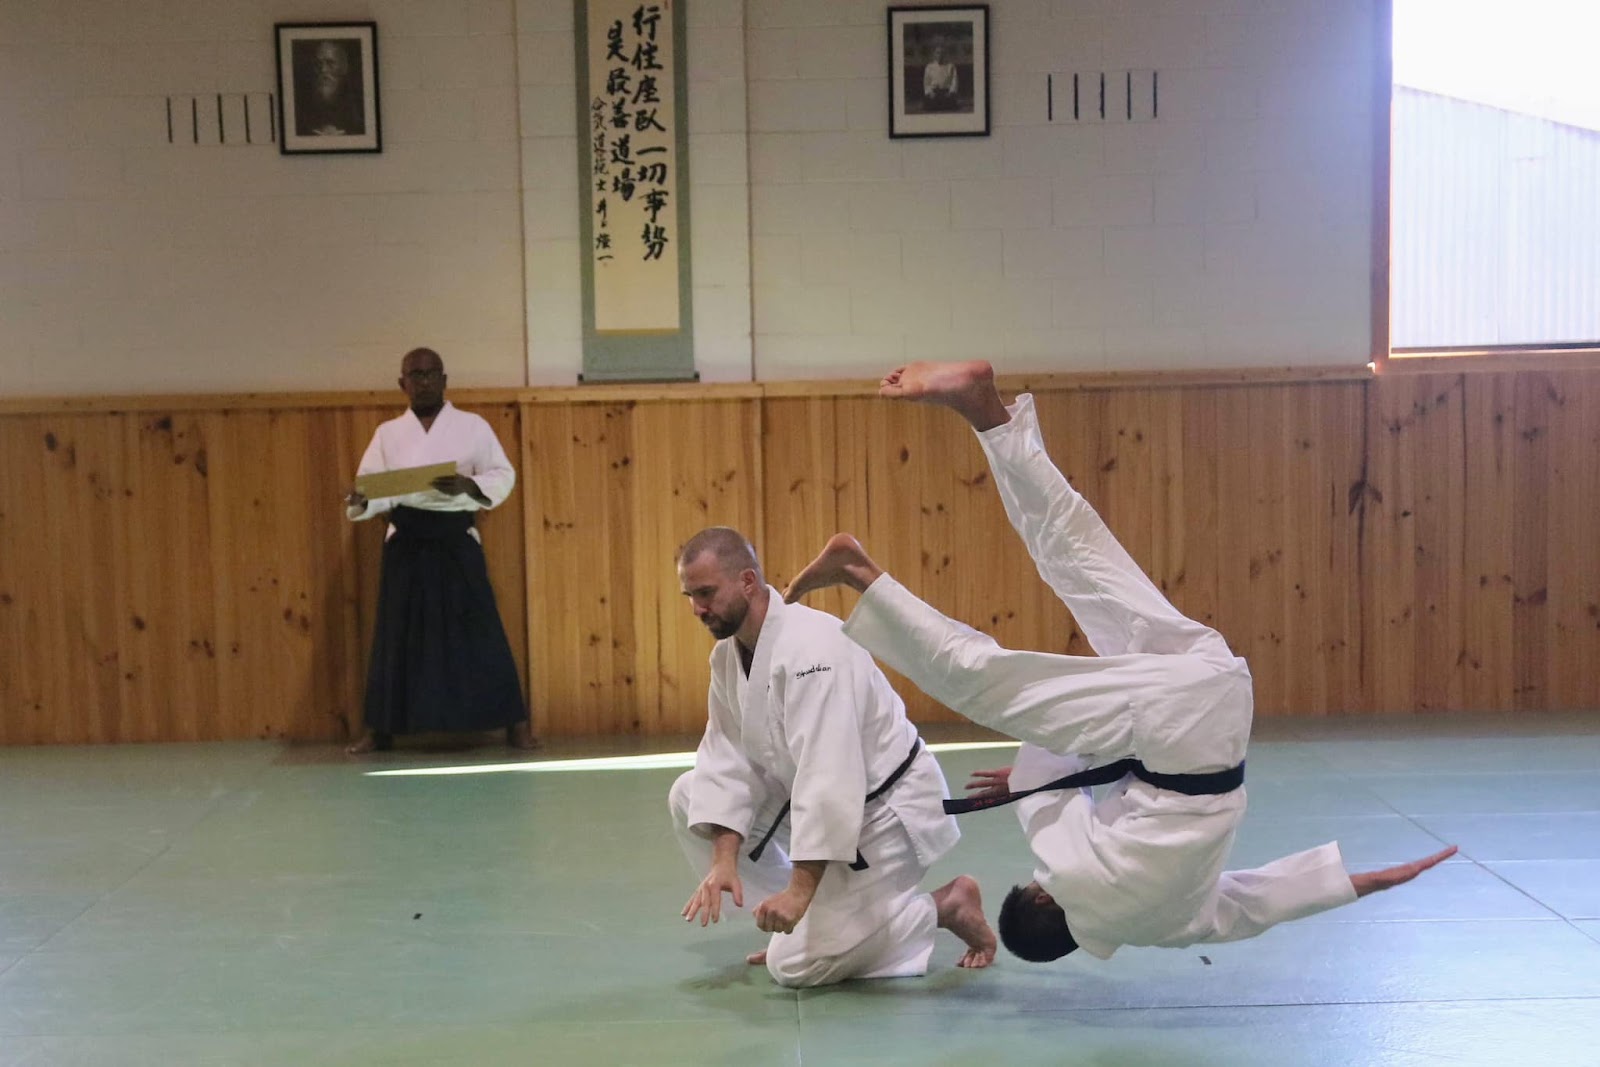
(759, 718)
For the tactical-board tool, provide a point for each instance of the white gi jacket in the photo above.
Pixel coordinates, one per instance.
(456, 436)
(817, 724)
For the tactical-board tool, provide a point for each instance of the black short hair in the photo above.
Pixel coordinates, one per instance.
(1033, 931)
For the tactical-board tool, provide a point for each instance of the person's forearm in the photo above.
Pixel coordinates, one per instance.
(725, 845)
(805, 876)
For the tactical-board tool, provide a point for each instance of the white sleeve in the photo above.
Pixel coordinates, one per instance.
(822, 719)
(1247, 903)
(372, 462)
(727, 790)
(490, 467)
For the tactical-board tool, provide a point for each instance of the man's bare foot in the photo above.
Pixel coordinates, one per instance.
(966, 388)
(757, 959)
(520, 735)
(842, 562)
(370, 741)
(960, 907)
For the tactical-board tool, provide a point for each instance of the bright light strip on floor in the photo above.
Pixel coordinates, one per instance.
(656, 762)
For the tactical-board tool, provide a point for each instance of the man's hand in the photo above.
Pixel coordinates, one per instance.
(355, 499)
(722, 878)
(707, 899)
(995, 783)
(458, 485)
(1373, 881)
(782, 912)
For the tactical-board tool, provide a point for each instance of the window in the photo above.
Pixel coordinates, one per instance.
(1495, 175)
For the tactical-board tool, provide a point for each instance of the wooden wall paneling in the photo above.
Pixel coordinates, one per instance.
(1338, 431)
(800, 457)
(1320, 591)
(328, 622)
(1572, 546)
(92, 619)
(188, 473)
(1236, 538)
(1578, 552)
(1269, 579)
(851, 486)
(1407, 543)
(1439, 477)
(1305, 547)
(1487, 519)
(696, 466)
(1535, 397)
(1388, 508)
(1194, 588)
(896, 469)
(1168, 535)
(582, 647)
(17, 694)
(248, 612)
(287, 513)
(1130, 482)
(155, 582)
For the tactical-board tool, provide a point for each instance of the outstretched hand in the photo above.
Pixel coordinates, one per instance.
(1389, 877)
(986, 784)
(706, 903)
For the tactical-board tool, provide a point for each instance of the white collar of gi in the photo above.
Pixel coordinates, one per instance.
(445, 407)
(767, 640)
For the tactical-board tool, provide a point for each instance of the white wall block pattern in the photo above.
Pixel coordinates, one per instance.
(1233, 229)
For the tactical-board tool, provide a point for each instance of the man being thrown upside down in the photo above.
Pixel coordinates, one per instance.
(1163, 710)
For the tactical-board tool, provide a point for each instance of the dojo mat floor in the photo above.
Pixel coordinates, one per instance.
(260, 903)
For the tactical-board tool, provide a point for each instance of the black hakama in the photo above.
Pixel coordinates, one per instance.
(440, 658)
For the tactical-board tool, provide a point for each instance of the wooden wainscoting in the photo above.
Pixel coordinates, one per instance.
(180, 568)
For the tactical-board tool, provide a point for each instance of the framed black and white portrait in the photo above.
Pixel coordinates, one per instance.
(328, 87)
(939, 71)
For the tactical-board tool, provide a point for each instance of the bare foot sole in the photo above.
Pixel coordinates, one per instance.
(960, 907)
(968, 388)
(842, 562)
(757, 959)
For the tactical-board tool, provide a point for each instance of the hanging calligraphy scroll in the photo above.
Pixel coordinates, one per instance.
(633, 168)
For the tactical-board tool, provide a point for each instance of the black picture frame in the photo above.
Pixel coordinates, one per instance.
(939, 71)
(327, 87)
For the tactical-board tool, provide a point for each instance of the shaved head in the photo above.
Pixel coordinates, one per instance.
(422, 359)
(732, 551)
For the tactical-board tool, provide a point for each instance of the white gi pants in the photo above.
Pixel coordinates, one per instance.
(1154, 667)
(861, 924)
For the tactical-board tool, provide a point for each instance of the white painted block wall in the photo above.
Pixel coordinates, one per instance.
(1234, 231)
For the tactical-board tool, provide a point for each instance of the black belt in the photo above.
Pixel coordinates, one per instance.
(1194, 785)
(888, 783)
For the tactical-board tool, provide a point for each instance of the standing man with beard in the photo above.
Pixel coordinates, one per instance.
(811, 784)
(440, 658)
